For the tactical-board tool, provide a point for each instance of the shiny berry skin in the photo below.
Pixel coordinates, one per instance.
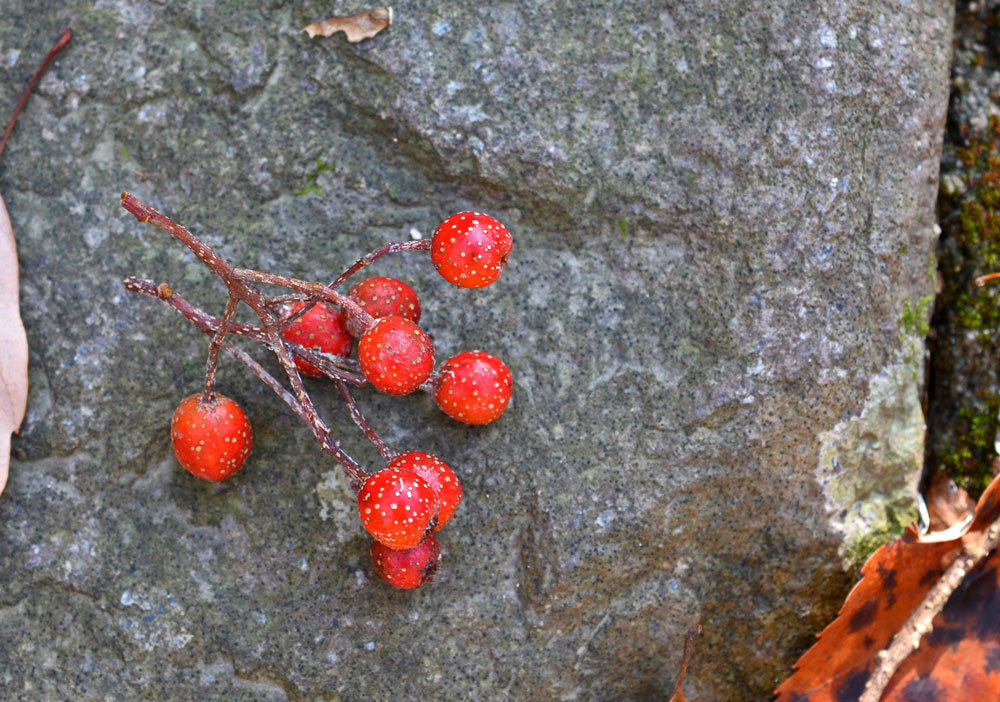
(474, 387)
(409, 568)
(396, 507)
(439, 474)
(396, 355)
(381, 296)
(470, 249)
(321, 328)
(210, 439)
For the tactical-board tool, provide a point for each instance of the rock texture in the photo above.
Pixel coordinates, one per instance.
(721, 214)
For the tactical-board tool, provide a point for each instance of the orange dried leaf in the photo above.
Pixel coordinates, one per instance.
(960, 658)
(363, 25)
(894, 582)
(13, 345)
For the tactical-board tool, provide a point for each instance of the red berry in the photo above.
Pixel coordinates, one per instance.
(211, 439)
(409, 568)
(396, 507)
(321, 328)
(381, 297)
(441, 477)
(470, 249)
(474, 387)
(396, 355)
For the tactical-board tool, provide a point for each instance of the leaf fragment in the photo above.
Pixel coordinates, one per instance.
(362, 25)
(13, 345)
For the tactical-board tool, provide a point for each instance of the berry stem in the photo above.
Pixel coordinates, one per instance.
(56, 48)
(315, 289)
(238, 281)
(361, 263)
(369, 258)
(145, 213)
(213, 349)
(363, 424)
(353, 469)
(346, 370)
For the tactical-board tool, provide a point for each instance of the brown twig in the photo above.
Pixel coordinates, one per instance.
(678, 694)
(984, 279)
(56, 48)
(977, 545)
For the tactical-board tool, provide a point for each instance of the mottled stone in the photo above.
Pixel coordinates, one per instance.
(721, 212)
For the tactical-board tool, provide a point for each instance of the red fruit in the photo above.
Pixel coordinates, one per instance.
(441, 477)
(474, 387)
(381, 297)
(409, 568)
(396, 355)
(396, 507)
(211, 439)
(470, 249)
(321, 328)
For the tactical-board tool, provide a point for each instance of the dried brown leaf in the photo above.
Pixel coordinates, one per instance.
(13, 345)
(894, 582)
(363, 25)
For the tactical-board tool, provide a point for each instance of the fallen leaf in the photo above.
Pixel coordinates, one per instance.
(13, 340)
(363, 25)
(13, 345)
(947, 504)
(894, 582)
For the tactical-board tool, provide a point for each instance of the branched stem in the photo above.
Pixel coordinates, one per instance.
(354, 471)
(314, 289)
(361, 263)
(240, 281)
(344, 369)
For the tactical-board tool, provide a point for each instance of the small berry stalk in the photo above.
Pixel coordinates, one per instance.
(311, 330)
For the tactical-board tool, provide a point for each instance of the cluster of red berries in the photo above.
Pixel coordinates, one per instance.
(416, 493)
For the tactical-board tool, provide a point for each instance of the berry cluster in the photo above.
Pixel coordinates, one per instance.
(312, 333)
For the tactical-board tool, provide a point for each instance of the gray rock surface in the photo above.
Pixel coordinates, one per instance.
(721, 211)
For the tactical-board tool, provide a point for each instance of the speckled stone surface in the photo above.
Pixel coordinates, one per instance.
(720, 211)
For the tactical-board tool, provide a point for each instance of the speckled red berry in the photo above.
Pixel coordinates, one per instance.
(321, 328)
(439, 474)
(409, 568)
(381, 296)
(396, 355)
(211, 439)
(474, 387)
(470, 249)
(397, 507)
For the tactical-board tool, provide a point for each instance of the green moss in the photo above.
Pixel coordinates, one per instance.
(969, 461)
(312, 183)
(861, 550)
(971, 314)
(623, 227)
(916, 318)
